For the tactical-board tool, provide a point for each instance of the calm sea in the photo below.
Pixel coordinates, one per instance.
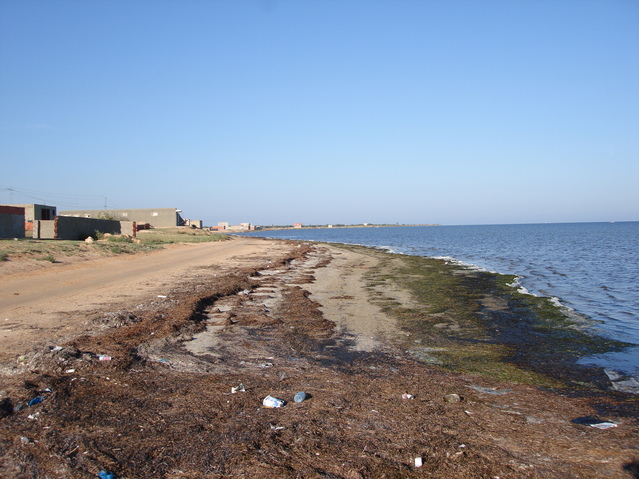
(592, 268)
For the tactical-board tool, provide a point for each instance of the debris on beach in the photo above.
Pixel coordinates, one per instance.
(594, 422)
(272, 402)
(36, 400)
(238, 389)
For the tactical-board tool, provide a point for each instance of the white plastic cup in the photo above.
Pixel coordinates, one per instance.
(270, 401)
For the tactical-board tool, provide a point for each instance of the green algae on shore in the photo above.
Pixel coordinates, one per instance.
(479, 322)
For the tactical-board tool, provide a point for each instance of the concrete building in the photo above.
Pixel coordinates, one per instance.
(12, 221)
(193, 223)
(34, 212)
(155, 217)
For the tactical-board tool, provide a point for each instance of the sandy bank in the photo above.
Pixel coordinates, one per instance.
(278, 319)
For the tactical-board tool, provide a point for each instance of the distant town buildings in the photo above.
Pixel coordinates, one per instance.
(224, 226)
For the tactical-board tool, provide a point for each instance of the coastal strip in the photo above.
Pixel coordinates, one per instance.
(174, 389)
(468, 320)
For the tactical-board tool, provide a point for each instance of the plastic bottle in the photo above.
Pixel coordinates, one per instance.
(299, 397)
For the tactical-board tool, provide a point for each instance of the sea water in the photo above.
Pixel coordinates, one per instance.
(591, 268)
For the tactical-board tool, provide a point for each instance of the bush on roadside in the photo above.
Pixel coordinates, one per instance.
(174, 235)
(120, 239)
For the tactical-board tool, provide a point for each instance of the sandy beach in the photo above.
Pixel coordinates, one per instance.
(157, 365)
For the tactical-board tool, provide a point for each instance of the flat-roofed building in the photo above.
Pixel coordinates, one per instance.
(155, 217)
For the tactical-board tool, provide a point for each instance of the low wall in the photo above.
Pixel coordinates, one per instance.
(78, 228)
(44, 229)
(128, 228)
(11, 222)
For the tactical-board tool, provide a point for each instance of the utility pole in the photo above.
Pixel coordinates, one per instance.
(105, 202)
(10, 195)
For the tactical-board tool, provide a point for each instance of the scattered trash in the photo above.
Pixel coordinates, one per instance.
(56, 348)
(164, 361)
(34, 416)
(239, 389)
(271, 402)
(36, 400)
(299, 397)
(161, 296)
(106, 475)
(407, 396)
(594, 422)
(24, 440)
(69, 371)
(266, 365)
(21, 359)
(452, 398)
(104, 357)
(276, 428)
(418, 462)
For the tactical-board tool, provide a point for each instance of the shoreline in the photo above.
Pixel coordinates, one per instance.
(504, 310)
(594, 290)
(163, 406)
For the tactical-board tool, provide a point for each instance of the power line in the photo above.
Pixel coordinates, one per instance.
(60, 199)
(36, 193)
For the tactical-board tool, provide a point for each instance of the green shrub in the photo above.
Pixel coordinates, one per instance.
(120, 239)
(4, 257)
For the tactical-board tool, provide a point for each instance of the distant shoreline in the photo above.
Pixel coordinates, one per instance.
(335, 226)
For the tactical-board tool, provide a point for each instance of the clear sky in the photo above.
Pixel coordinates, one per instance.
(324, 111)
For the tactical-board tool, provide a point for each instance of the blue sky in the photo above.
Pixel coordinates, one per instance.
(324, 111)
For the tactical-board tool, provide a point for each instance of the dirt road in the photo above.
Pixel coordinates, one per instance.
(52, 304)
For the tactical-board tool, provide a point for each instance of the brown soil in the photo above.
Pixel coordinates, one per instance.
(184, 326)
